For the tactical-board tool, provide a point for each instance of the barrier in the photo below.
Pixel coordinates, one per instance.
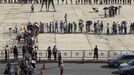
(2, 54)
(78, 54)
(66, 54)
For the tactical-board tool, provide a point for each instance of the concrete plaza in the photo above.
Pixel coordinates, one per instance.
(16, 14)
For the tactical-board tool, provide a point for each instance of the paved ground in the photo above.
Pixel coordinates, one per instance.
(15, 14)
(74, 69)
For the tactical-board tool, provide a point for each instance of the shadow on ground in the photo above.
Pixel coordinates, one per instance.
(48, 68)
(115, 72)
(107, 66)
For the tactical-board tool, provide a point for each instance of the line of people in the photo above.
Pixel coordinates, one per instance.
(71, 1)
(97, 27)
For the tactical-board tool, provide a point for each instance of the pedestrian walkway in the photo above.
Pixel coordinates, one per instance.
(21, 15)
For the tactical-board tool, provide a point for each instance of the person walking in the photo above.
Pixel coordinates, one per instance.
(96, 53)
(17, 70)
(55, 52)
(9, 68)
(61, 68)
(49, 53)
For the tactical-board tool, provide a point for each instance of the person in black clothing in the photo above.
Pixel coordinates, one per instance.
(96, 53)
(61, 26)
(56, 26)
(55, 52)
(50, 26)
(32, 8)
(15, 51)
(49, 53)
(23, 50)
(51, 1)
(71, 28)
(6, 52)
(43, 4)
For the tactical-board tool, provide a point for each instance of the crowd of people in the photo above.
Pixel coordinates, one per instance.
(27, 64)
(111, 11)
(26, 36)
(71, 1)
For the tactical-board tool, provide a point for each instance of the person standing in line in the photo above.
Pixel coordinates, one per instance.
(49, 52)
(47, 27)
(61, 26)
(50, 26)
(108, 28)
(125, 28)
(53, 27)
(101, 27)
(59, 59)
(75, 27)
(71, 27)
(61, 68)
(56, 26)
(65, 27)
(96, 53)
(55, 52)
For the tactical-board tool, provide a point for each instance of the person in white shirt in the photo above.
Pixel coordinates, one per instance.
(61, 68)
